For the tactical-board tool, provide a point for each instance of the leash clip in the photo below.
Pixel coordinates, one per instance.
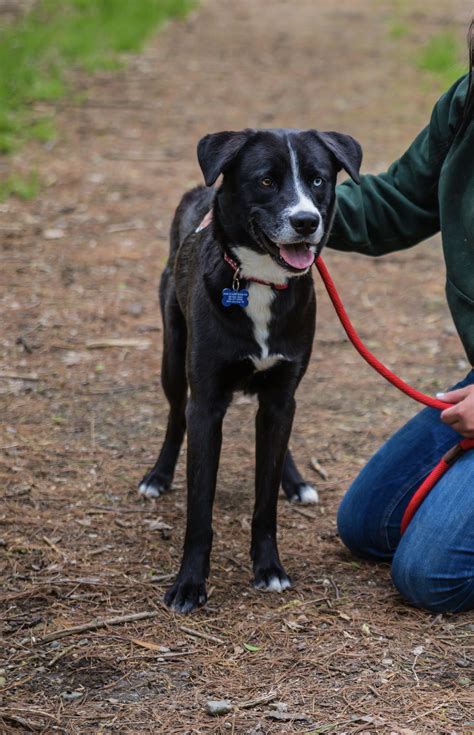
(453, 454)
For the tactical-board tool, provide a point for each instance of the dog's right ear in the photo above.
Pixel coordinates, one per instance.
(216, 152)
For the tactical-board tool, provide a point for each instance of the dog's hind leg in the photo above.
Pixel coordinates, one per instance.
(295, 488)
(173, 378)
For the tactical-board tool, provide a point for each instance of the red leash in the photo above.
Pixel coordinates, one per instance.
(453, 454)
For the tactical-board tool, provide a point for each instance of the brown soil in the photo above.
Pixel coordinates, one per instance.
(80, 264)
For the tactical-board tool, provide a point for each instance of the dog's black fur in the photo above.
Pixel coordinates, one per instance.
(215, 351)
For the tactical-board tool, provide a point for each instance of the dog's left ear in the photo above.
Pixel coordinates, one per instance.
(216, 152)
(345, 149)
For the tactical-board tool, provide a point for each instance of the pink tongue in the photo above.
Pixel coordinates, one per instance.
(297, 255)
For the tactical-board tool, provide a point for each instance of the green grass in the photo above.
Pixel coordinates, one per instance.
(37, 51)
(398, 29)
(24, 187)
(442, 56)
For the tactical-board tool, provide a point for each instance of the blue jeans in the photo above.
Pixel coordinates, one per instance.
(433, 563)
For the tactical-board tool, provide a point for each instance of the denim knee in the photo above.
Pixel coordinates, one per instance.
(428, 581)
(358, 527)
(349, 532)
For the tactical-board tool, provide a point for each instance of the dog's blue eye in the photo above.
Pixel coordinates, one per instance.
(317, 181)
(266, 182)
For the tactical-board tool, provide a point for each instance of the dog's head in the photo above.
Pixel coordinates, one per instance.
(278, 190)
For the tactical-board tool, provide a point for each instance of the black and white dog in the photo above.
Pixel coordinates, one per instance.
(239, 308)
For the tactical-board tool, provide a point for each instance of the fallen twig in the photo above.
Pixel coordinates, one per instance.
(95, 624)
(59, 655)
(317, 467)
(30, 726)
(302, 512)
(95, 509)
(14, 376)
(138, 157)
(32, 711)
(161, 577)
(258, 700)
(99, 344)
(200, 634)
(125, 226)
(53, 546)
(428, 712)
(16, 684)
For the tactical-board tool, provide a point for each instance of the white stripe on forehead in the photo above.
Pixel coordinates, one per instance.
(303, 203)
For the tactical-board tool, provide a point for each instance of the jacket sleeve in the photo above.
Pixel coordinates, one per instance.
(399, 208)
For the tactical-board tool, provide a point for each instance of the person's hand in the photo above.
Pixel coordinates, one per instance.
(461, 416)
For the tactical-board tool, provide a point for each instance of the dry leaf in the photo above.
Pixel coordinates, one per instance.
(317, 467)
(149, 645)
(158, 525)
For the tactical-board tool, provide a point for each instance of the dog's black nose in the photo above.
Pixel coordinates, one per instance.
(305, 223)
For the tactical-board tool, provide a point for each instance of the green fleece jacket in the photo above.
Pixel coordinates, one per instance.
(429, 189)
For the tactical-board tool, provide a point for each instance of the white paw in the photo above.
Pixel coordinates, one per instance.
(308, 495)
(274, 584)
(149, 491)
(278, 585)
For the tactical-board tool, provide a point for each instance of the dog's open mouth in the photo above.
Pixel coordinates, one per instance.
(296, 256)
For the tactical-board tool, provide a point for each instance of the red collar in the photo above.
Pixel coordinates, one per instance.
(236, 268)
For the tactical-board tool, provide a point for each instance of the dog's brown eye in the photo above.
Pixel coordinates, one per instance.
(266, 182)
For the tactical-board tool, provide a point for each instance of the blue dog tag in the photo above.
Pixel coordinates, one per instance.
(235, 298)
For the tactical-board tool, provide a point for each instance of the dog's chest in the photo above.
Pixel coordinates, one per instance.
(259, 311)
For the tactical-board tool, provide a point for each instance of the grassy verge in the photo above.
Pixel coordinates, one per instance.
(24, 187)
(443, 57)
(37, 51)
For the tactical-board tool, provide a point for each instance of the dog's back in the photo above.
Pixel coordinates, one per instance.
(191, 210)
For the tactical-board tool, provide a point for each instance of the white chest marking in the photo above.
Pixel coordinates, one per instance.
(260, 265)
(259, 311)
(261, 298)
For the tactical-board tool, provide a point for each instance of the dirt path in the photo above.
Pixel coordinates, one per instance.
(79, 425)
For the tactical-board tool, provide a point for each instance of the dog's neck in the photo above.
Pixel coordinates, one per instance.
(228, 231)
(255, 265)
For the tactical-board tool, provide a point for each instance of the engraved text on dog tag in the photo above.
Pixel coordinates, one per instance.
(230, 297)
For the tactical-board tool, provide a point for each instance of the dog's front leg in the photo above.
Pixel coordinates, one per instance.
(273, 428)
(204, 421)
